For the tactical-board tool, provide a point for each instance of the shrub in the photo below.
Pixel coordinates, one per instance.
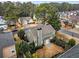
(35, 55)
(59, 42)
(71, 42)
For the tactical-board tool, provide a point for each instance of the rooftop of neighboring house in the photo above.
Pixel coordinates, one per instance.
(6, 40)
(11, 22)
(47, 31)
(74, 18)
(25, 18)
(71, 53)
(2, 21)
(1, 17)
(69, 33)
(66, 13)
(69, 11)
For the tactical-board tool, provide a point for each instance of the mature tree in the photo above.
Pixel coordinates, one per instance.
(23, 49)
(41, 11)
(55, 23)
(48, 13)
(10, 10)
(30, 8)
(1, 9)
(65, 6)
(27, 9)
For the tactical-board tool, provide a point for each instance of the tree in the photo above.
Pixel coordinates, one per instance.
(21, 34)
(65, 6)
(19, 54)
(30, 8)
(71, 42)
(1, 9)
(10, 10)
(55, 23)
(48, 13)
(27, 9)
(23, 49)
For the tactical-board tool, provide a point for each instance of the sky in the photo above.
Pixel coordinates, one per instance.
(43, 1)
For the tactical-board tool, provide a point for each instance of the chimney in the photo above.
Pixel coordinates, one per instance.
(39, 37)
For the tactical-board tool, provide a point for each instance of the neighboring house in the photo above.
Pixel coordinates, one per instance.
(3, 23)
(7, 45)
(71, 53)
(67, 14)
(40, 34)
(66, 23)
(11, 22)
(75, 21)
(66, 35)
(25, 20)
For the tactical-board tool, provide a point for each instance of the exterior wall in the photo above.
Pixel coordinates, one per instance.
(30, 21)
(62, 24)
(19, 20)
(9, 52)
(46, 42)
(76, 26)
(39, 37)
(66, 37)
(24, 22)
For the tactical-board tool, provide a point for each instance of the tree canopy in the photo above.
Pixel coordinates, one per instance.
(48, 13)
(16, 9)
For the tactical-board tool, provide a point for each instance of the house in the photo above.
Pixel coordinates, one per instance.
(11, 22)
(75, 21)
(71, 53)
(66, 35)
(40, 34)
(67, 14)
(3, 23)
(67, 24)
(25, 20)
(7, 45)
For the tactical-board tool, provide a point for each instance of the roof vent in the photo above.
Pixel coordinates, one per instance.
(39, 29)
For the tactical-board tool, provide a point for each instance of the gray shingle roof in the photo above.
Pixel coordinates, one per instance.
(72, 53)
(25, 18)
(47, 31)
(74, 18)
(6, 39)
(69, 33)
